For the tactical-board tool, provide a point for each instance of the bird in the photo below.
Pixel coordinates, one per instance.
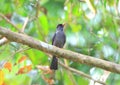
(58, 40)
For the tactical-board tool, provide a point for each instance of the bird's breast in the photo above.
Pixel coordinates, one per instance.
(59, 39)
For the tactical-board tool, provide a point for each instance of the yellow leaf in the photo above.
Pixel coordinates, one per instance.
(1, 77)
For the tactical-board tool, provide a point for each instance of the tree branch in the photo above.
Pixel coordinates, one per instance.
(76, 57)
(3, 41)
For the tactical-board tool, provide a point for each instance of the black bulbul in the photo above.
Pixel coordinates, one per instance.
(58, 40)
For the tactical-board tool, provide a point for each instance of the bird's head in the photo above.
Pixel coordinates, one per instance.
(60, 27)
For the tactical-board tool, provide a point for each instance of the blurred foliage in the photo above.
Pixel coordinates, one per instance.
(91, 28)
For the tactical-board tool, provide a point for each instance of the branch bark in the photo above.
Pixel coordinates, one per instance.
(3, 41)
(76, 57)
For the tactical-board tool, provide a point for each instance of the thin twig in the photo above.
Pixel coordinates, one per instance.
(18, 51)
(91, 7)
(80, 73)
(37, 8)
(5, 18)
(25, 24)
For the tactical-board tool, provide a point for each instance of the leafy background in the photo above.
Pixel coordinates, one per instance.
(91, 28)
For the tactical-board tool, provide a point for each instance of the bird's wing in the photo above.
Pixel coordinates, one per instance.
(53, 38)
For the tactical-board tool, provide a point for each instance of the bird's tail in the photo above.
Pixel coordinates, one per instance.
(54, 63)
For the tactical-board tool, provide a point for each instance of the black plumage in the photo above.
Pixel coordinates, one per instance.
(58, 40)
